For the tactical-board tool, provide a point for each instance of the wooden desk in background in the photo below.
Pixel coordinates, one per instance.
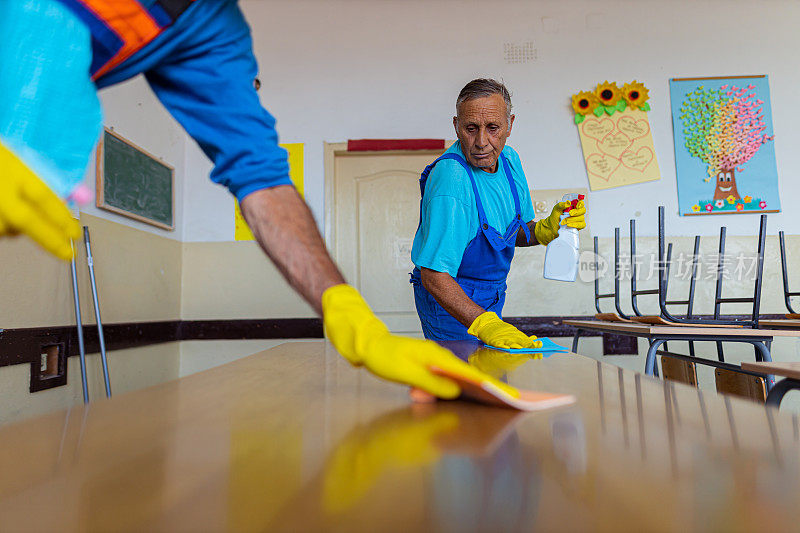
(295, 439)
(781, 323)
(761, 339)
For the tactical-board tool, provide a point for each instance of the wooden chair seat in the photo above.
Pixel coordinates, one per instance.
(610, 317)
(679, 370)
(742, 385)
(657, 320)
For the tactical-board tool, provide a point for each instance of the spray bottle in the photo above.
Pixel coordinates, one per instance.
(561, 256)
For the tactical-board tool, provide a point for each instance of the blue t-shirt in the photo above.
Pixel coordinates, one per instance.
(449, 218)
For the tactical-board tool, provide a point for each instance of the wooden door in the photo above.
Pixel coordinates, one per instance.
(373, 213)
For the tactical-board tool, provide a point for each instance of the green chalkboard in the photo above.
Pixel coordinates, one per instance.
(133, 183)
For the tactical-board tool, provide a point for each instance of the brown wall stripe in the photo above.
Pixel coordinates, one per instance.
(22, 346)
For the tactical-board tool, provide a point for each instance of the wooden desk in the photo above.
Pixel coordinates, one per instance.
(790, 372)
(294, 439)
(761, 339)
(783, 323)
(700, 332)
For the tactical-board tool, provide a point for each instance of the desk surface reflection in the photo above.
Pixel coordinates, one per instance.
(293, 438)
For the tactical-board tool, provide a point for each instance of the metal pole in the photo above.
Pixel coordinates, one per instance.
(617, 275)
(762, 239)
(634, 273)
(597, 277)
(90, 263)
(81, 349)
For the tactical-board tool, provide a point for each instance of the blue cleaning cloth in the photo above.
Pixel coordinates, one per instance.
(49, 111)
(547, 346)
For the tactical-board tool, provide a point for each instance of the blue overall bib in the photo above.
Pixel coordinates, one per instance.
(484, 267)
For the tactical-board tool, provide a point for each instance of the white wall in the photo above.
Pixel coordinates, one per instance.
(339, 69)
(333, 70)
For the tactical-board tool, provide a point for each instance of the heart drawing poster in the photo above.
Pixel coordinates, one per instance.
(615, 135)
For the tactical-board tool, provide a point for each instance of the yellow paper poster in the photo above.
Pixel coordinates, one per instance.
(242, 231)
(615, 135)
(618, 150)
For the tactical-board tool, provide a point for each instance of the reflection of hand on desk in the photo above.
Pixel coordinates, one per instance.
(408, 437)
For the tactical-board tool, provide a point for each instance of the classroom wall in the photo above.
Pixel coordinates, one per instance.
(334, 70)
(338, 70)
(138, 275)
(230, 280)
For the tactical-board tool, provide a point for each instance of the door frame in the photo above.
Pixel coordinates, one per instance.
(333, 150)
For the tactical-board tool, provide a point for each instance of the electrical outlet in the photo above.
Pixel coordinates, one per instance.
(50, 370)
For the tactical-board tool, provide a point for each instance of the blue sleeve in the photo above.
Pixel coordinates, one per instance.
(446, 221)
(208, 88)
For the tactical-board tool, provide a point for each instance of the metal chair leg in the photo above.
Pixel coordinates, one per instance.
(780, 389)
(575, 340)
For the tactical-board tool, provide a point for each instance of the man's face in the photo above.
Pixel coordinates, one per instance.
(482, 128)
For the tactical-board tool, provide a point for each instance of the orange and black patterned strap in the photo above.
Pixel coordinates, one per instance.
(120, 28)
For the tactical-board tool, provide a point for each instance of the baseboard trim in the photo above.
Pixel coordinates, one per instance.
(23, 345)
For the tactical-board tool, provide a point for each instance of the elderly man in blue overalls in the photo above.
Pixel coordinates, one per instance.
(197, 57)
(475, 210)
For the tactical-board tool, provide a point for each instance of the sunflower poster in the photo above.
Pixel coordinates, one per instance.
(615, 135)
(724, 154)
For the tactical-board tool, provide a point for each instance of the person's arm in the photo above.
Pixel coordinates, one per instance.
(450, 296)
(285, 229)
(485, 325)
(547, 229)
(208, 87)
(523, 241)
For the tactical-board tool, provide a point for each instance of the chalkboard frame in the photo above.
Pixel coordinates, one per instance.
(100, 181)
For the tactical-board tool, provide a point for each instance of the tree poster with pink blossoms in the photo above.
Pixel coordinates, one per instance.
(724, 154)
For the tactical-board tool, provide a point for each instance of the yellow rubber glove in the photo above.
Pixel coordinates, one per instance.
(547, 229)
(28, 206)
(490, 329)
(363, 339)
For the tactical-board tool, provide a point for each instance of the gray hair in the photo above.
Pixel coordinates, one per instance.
(482, 87)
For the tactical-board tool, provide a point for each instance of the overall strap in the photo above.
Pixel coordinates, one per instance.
(423, 179)
(481, 212)
(450, 155)
(515, 195)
